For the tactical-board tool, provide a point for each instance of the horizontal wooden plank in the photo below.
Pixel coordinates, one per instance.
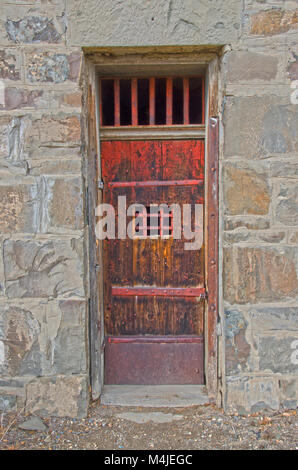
(161, 132)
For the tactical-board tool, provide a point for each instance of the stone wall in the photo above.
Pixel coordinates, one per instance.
(260, 207)
(43, 323)
(43, 257)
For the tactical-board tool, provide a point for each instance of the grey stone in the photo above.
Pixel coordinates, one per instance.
(258, 126)
(18, 206)
(271, 236)
(293, 70)
(260, 274)
(284, 169)
(237, 350)
(43, 269)
(48, 339)
(276, 354)
(236, 236)
(289, 392)
(7, 402)
(16, 98)
(273, 319)
(58, 396)
(32, 29)
(249, 222)
(154, 416)
(248, 393)
(52, 67)
(18, 331)
(154, 396)
(286, 208)
(246, 66)
(9, 65)
(33, 424)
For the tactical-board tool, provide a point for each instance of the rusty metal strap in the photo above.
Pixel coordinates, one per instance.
(133, 184)
(160, 291)
(155, 339)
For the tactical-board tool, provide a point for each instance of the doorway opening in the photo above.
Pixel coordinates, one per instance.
(159, 312)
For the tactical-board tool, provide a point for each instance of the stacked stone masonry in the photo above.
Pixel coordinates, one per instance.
(43, 257)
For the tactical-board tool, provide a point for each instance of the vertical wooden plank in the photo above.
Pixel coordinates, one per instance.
(169, 105)
(152, 101)
(185, 100)
(212, 254)
(95, 331)
(117, 102)
(134, 101)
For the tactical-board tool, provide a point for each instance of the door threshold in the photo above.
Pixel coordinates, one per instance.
(154, 396)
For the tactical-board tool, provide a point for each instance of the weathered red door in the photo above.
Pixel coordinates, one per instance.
(154, 313)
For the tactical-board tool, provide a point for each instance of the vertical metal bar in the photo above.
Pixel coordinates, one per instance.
(152, 101)
(134, 101)
(185, 100)
(203, 100)
(160, 222)
(117, 102)
(169, 106)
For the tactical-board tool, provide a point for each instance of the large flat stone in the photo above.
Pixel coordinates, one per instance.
(47, 268)
(33, 424)
(258, 127)
(246, 189)
(10, 64)
(18, 206)
(155, 396)
(47, 67)
(266, 274)
(273, 21)
(249, 394)
(287, 203)
(273, 319)
(237, 349)
(178, 22)
(154, 417)
(276, 354)
(244, 66)
(58, 396)
(43, 338)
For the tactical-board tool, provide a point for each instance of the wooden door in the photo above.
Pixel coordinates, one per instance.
(153, 286)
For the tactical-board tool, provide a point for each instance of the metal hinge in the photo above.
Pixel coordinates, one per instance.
(204, 295)
(100, 184)
(103, 345)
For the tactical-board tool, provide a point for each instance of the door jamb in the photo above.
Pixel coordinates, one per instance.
(212, 371)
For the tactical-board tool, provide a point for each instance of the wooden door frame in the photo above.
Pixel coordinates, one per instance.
(100, 60)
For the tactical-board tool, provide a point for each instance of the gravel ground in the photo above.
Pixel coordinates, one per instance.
(199, 427)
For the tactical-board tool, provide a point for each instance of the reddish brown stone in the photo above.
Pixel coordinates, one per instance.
(56, 130)
(253, 275)
(73, 99)
(293, 70)
(8, 66)
(246, 191)
(19, 98)
(274, 21)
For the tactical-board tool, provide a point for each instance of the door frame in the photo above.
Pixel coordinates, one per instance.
(120, 63)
